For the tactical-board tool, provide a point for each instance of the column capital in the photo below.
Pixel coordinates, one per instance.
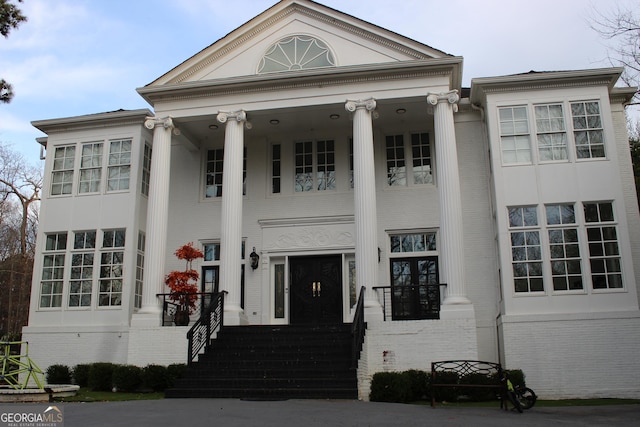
(451, 97)
(368, 104)
(152, 122)
(239, 116)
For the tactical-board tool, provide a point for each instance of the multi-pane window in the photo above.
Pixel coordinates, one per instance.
(51, 284)
(551, 133)
(146, 170)
(604, 251)
(81, 278)
(214, 172)
(119, 169)
(514, 135)
(421, 153)
(396, 165)
(304, 166)
(415, 292)
(276, 168)
(587, 129)
(62, 173)
(314, 170)
(90, 168)
(210, 269)
(526, 253)
(137, 297)
(111, 268)
(326, 173)
(564, 248)
(213, 179)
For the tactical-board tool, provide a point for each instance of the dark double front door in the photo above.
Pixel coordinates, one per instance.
(315, 289)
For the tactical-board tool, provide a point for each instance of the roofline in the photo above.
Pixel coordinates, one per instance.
(111, 118)
(545, 79)
(280, 10)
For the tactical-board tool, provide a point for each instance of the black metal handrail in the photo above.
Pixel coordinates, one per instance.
(412, 302)
(358, 328)
(210, 321)
(171, 305)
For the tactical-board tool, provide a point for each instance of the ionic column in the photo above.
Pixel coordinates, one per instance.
(451, 238)
(157, 214)
(364, 189)
(231, 216)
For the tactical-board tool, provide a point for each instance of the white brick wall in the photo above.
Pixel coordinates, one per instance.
(402, 345)
(70, 348)
(575, 357)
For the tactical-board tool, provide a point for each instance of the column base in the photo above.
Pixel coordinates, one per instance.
(456, 300)
(146, 319)
(234, 316)
(373, 313)
(457, 311)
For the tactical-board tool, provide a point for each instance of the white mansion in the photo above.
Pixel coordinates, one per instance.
(497, 222)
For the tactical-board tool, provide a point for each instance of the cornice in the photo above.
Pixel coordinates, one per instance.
(92, 121)
(265, 83)
(296, 222)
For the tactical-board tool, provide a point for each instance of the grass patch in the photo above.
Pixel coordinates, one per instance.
(87, 395)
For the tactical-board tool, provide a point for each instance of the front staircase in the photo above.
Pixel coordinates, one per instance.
(274, 362)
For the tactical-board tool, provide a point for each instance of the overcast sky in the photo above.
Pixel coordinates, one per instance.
(75, 57)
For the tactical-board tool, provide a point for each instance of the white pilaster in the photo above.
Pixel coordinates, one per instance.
(448, 180)
(231, 217)
(157, 216)
(366, 218)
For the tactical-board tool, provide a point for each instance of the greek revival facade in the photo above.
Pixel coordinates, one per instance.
(309, 155)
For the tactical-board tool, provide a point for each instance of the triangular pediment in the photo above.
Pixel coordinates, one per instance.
(344, 40)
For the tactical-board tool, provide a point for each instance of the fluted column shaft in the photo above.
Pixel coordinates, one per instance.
(157, 214)
(231, 216)
(448, 180)
(364, 189)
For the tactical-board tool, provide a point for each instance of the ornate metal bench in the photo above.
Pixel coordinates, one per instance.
(468, 374)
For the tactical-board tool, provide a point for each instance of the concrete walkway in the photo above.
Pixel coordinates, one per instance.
(325, 413)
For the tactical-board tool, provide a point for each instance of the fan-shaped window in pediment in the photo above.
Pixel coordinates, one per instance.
(296, 53)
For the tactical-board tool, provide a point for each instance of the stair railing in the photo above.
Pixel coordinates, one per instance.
(210, 321)
(358, 329)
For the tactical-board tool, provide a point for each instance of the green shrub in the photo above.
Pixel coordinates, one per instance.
(446, 394)
(419, 382)
(155, 377)
(479, 394)
(127, 378)
(390, 387)
(58, 374)
(174, 372)
(81, 375)
(101, 376)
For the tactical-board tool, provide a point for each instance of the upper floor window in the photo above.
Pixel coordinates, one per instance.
(551, 133)
(297, 52)
(63, 166)
(419, 157)
(587, 129)
(146, 170)
(553, 138)
(315, 166)
(90, 168)
(214, 172)
(119, 169)
(514, 135)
